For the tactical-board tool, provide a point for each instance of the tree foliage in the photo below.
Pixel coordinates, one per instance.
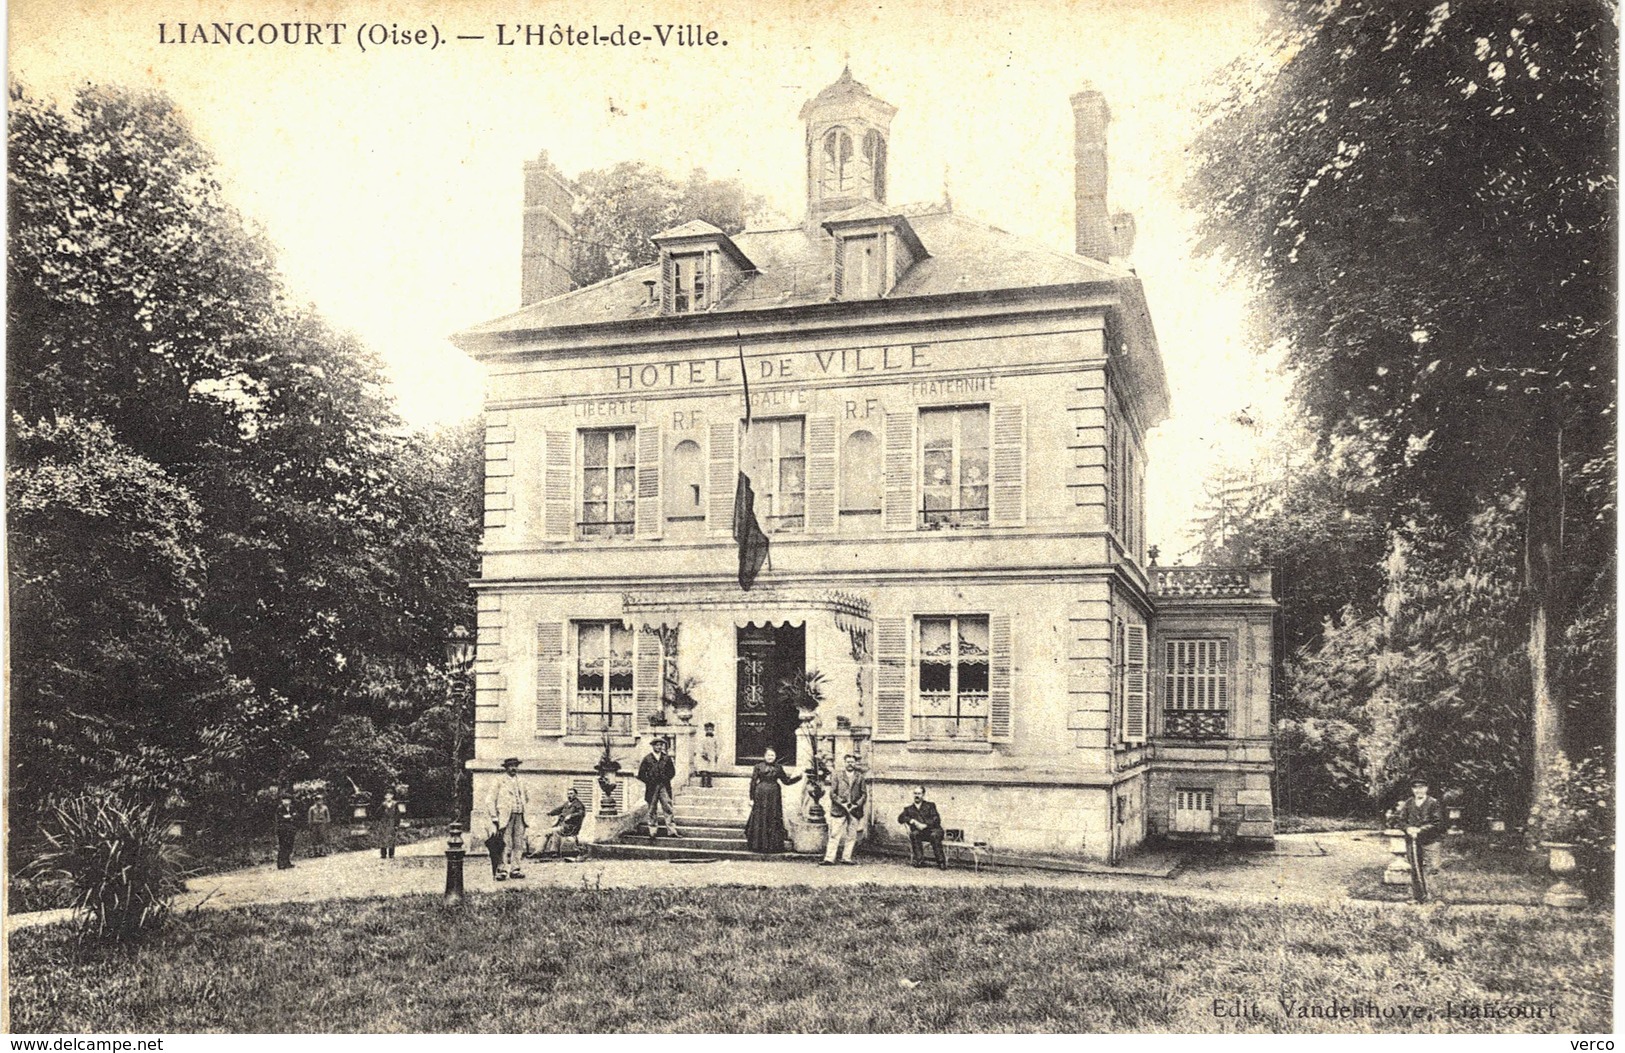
(222, 540)
(1424, 200)
(619, 208)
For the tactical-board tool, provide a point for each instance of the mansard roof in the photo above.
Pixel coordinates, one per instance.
(794, 269)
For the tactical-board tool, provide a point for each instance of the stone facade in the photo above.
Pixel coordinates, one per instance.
(946, 446)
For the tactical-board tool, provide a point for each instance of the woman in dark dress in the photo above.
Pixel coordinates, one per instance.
(765, 827)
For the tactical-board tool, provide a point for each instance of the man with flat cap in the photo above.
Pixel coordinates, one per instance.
(1422, 818)
(656, 773)
(508, 803)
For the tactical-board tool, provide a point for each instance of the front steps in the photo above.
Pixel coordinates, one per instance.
(711, 820)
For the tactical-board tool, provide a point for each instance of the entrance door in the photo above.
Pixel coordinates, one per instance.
(763, 718)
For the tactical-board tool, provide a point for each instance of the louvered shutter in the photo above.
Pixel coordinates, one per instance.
(1009, 465)
(558, 494)
(668, 284)
(713, 279)
(840, 269)
(722, 479)
(899, 511)
(999, 702)
(649, 517)
(1134, 700)
(649, 678)
(550, 678)
(891, 680)
(820, 473)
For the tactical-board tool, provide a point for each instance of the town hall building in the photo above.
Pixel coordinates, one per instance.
(947, 449)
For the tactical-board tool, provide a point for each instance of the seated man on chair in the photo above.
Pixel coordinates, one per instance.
(570, 814)
(924, 825)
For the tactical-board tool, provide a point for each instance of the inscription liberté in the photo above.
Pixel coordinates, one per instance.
(852, 361)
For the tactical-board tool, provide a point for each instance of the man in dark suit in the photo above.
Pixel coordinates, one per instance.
(286, 828)
(656, 773)
(924, 825)
(570, 813)
(1423, 820)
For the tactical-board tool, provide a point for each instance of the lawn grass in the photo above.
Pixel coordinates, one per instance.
(797, 959)
(1477, 871)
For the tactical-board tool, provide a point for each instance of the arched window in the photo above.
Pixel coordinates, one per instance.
(838, 172)
(683, 477)
(860, 474)
(874, 163)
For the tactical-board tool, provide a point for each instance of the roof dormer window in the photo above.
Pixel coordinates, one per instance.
(863, 267)
(689, 294)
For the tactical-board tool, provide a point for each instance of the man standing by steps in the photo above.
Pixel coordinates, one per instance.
(848, 796)
(656, 773)
(508, 803)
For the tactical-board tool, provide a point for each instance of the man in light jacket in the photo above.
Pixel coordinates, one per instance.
(848, 796)
(508, 803)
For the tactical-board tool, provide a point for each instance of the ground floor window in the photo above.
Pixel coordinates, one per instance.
(603, 697)
(953, 678)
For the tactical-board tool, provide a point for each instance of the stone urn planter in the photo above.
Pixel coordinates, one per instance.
(806, 836)
(1398, 871)
(1561, 862)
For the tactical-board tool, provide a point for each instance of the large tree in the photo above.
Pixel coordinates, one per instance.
(1425, 202)
(217, 520)
(619, 208)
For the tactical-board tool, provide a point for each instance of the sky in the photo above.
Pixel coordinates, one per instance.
(390, 177)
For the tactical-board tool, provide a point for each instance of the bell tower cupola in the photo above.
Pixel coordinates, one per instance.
(847, 130)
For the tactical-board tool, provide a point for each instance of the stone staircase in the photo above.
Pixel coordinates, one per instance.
(711, 820)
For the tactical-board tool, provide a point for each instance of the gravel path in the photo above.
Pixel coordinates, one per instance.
(1303, 869)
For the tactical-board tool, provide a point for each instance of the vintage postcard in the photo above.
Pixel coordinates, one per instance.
(608, 517)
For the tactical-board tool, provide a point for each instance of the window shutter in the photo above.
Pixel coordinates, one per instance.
(899, 506)
(713, 279)
(649, 518)
(668, 284)
(840, 269)
(1009, 496)
(1134, 701)
(999, 679)
(722, 479)
(891, 680)
(1221, 670)
(648, 678)
(888, 262)
(820, 473)
(549, 678)
(558, 493)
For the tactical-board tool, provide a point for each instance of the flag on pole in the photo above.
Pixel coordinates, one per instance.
(747, 531)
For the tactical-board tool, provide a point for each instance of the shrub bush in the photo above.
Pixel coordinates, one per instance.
(119, 861)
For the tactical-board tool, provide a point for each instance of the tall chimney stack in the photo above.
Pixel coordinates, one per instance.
(545, 260)
(1095, 232)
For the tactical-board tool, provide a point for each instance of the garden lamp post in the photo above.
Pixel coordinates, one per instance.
(459, 659)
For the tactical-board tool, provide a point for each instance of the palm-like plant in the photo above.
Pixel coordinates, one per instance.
(123, 867)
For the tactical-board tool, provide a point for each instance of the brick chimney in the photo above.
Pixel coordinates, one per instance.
(545, 261)
(1100, 235)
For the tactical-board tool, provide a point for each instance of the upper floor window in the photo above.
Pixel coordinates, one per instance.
(603, 699)
(954, 466)
(775, 458)
(1196, 698)
(608, 482)
(838, 173)
(690, 292)
(684, 476)
(953, 678)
